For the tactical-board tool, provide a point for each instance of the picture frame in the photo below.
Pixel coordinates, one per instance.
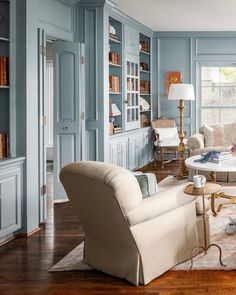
(172, 77)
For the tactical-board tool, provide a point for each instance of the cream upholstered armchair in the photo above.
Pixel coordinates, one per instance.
(125, 235)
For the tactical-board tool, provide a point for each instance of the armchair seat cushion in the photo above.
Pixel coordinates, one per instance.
(159, 204)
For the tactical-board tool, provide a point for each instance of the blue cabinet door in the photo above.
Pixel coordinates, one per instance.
(10, 199)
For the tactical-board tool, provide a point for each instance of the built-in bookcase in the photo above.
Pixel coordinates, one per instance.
(145, 75)
(115, 70)
(4, 76)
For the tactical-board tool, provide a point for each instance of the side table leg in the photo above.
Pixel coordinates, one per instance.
(220, 252)
(213, 204)
(162, 158)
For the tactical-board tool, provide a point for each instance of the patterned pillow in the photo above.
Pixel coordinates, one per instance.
(147, 182)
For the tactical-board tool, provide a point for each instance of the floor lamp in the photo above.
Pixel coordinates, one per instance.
(181, 92)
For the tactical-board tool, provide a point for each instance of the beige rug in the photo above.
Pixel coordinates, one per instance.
(74, 260)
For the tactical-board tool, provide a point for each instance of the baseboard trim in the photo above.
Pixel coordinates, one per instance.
(27, 235)
(6, 240)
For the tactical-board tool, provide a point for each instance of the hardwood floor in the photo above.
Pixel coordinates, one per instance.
(24, 265)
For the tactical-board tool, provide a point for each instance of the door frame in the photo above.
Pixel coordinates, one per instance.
(43, 36)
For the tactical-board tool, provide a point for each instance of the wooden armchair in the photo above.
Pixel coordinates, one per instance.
(167, 146)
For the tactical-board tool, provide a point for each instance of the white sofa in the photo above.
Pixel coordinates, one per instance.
(125, 235)
(217, 137)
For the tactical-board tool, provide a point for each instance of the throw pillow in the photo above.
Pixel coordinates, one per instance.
(218, 136)
(147, 182)
(208, 132)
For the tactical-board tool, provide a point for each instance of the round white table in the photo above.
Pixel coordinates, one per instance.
(212, 168)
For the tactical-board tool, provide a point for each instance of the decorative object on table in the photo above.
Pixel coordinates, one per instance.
(215, 157)
(208, 189)
(144, 105)
(172, 77)
(199, 181)
(206, 157)
(114, 112)
(111, 127)
(181, 92)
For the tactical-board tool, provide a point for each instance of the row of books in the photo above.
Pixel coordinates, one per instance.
(3, 145)
(220, 157)
(114, 84)
(114, 58)
(4, 71)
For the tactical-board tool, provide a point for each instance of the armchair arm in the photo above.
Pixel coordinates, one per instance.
(159, 204)
(196, 141)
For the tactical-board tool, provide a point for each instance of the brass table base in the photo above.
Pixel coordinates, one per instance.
(205, 250)
(208, 188)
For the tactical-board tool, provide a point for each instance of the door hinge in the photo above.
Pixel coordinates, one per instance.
(43, 50)
(43, 189)
(43, 120)
(82, 116)
(82, 60)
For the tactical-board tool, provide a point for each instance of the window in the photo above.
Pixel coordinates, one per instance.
(218, 92)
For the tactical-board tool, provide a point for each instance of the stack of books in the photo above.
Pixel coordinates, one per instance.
(220, 157)
(117, 130)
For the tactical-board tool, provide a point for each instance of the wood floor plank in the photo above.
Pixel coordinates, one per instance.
(24, 264)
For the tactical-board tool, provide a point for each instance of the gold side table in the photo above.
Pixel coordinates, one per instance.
(208, 189)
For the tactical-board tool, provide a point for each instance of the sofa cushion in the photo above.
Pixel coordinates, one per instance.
(208, 132)
(218, 136)
(230, 133)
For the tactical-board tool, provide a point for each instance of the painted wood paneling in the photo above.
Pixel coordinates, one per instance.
(215, 46)
(57, 13)
(91, 145)
(10, 196)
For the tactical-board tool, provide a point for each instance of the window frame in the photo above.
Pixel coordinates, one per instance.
(199, 105)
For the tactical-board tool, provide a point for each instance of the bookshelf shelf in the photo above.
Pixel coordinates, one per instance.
(4, 87)
(145, 111)
(143, 71)
(115, 93)
(112, 40)
(114, 65)
(144, 52)
(3, 39)
(145, 94)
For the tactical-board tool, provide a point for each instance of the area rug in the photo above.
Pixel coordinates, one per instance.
(74, 260)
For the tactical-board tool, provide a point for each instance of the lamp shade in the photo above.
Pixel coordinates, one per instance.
(114, 111)
(181, 91)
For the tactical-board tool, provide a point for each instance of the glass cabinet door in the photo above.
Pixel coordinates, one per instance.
(132, 115)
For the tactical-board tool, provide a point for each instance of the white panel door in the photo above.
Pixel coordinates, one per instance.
(68, 109)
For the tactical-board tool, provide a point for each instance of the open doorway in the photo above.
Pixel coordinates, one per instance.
(61, 106)
(49, 118)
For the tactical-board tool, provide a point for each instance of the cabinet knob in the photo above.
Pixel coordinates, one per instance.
(64, 127)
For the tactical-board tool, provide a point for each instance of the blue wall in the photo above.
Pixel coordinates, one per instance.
(186, 52)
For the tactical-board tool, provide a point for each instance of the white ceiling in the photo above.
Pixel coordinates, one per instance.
(182, 15)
